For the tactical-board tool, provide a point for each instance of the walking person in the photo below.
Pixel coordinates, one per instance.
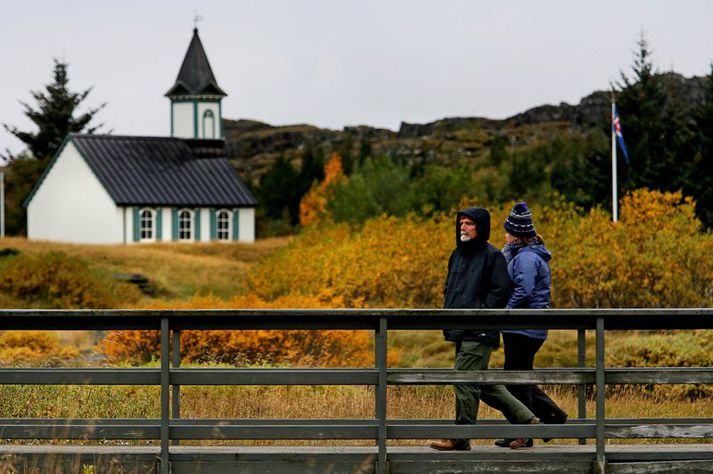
(528, 267)
(477, 278)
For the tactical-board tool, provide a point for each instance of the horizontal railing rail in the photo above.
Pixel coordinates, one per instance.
(170, 376)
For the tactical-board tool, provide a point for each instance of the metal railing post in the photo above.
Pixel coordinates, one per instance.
(380, 355)
(601, 415)
(582, 389)
(176, 389)
(165, 396)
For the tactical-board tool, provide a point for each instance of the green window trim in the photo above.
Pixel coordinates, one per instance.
(236, 225)
(137, 225)
(174, 224)
(195, 119)
(213, 225)
(159, 224)
(220, 119)
(197, 225)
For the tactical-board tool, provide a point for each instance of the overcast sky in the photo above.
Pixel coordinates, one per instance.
(333, 63)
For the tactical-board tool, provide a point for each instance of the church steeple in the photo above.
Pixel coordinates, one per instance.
(196, 96)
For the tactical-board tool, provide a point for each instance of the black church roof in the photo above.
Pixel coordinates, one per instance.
(161, 171)
(195, 76)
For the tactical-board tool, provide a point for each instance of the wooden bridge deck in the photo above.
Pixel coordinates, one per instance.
(572, 459)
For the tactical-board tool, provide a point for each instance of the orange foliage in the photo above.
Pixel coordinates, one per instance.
(313, 206)
(300, 347)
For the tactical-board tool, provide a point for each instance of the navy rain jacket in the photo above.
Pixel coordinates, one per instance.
(530, 273)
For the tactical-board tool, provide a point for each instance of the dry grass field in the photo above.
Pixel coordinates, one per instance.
(177, 270)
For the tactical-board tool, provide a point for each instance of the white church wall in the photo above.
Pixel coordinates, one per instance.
(183, 115)
(205, 224)
(166, 223)
(246, 222)
(71, 205)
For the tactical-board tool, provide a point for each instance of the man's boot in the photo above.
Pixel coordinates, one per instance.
(518, 443)
(451, 445)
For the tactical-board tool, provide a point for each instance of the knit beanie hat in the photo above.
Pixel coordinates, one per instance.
(519, 222)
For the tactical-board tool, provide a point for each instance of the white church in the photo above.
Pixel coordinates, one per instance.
(110, 189)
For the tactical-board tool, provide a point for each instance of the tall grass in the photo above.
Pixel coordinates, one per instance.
(307, 402)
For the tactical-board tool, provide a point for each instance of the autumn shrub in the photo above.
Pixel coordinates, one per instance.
(33, 348)
(655, 256)
(298, 347)
(389, 262)
(56, 280)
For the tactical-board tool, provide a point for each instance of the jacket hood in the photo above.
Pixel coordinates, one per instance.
(481, 217)
(540, 250)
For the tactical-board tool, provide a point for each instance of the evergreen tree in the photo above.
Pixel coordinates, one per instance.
(364, 150)
(345, 148)
(498, 150)
(54, 118)
(54, 115)
(656, 126)
(279, 192)
(702, 179)
(312, 168)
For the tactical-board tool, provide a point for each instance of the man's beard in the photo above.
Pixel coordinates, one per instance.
(465, 237)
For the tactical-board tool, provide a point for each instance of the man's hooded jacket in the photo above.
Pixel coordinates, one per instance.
(477, 277)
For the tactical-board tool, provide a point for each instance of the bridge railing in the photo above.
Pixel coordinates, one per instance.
(170, 376)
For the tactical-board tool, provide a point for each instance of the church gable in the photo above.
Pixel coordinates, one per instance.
(70, 204)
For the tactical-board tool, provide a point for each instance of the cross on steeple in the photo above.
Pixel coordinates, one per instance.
(196, 19)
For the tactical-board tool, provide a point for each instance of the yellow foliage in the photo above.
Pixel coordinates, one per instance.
(32, 348)
(56, 280)
(389, 262)
(313, 206)
(656, 256)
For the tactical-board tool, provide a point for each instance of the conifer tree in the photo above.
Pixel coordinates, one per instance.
(279, 191)
(655, 124)
(702, 178)
(54, 116)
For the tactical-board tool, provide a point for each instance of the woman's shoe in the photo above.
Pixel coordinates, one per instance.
(561, 421)
(518, 443)
(505, 443)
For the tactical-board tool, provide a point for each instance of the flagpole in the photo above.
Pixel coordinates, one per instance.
(614, 198)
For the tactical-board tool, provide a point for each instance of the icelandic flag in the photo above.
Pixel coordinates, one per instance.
(616, 128)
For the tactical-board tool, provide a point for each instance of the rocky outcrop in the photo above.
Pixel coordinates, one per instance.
(252, 146)
(591, 110)
(595, 108)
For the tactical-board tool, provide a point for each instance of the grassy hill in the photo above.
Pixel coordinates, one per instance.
(176, 271)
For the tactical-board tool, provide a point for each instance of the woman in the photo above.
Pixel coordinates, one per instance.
(529, 271)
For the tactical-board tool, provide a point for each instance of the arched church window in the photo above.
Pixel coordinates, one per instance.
(147, 220)
(208, 124)
(185, 225)
(224, 225)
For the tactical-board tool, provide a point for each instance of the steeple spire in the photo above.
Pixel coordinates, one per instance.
(196, 110)
(195, 78)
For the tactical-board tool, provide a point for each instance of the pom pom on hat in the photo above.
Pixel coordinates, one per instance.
(519, 222)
